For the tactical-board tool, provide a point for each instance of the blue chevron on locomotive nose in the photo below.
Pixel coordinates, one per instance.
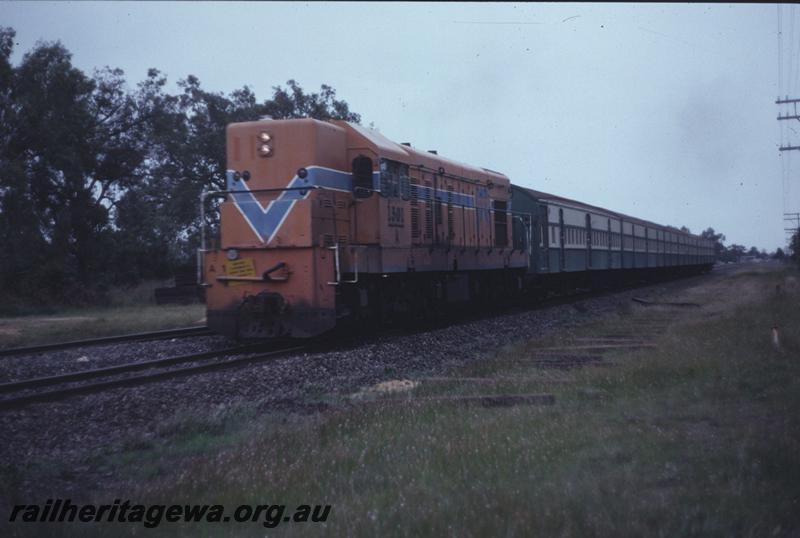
(266, 221)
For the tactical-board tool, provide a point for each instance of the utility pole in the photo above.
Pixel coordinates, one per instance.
(794, 116)
(789, 218)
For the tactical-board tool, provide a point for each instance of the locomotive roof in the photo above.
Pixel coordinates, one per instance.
(588, 207)
(413, 156)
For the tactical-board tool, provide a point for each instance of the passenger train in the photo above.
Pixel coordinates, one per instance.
(326, 221)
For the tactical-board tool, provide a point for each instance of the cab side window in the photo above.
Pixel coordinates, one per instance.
(394, 179)
(362, 177)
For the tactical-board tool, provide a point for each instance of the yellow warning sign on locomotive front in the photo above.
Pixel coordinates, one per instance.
(238, 268)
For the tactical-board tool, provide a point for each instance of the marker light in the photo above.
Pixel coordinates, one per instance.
(264, 137)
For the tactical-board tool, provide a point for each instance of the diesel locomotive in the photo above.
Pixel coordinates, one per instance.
(325, 221)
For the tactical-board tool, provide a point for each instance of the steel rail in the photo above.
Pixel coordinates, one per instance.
(153, 335)
(58, 394)
(82, 375)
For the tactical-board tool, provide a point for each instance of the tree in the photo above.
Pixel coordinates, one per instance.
(76, 146)
(779, 254)
(99, 183)
(20, 237)
(735, 252)
(6, 74)
(794, 247)
(717, 239)
(295, 103)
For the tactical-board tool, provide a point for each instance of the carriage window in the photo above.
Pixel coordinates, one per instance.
(519, 232)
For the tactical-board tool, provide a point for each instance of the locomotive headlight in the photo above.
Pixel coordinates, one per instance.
(233, 254)
(265, 142)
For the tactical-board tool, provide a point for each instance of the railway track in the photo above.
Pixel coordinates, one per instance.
(134, 337)
(52, 388)
(57, 387)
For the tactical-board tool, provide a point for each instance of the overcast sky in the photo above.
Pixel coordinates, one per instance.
(664, 112)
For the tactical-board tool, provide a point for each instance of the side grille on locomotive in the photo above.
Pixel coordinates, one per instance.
(415, 231)
(330, 240)
(451, 229)
(428, 214)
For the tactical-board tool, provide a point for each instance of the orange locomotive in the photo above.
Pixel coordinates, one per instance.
(330, 220)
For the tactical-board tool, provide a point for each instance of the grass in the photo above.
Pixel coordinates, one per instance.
(698, 436)
(130, 310)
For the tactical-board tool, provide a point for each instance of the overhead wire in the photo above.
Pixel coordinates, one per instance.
(790, 89)
(785, 90)
(797, 64)
(780, 85)
(789, 92)
(791, 51)
(780, 52)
